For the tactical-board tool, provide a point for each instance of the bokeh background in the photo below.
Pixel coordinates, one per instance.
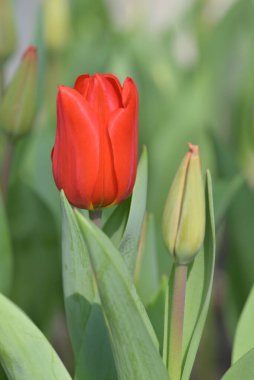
(193, 64)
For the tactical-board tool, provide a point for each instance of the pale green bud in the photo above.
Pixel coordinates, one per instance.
(7, 30)
(56, 24)
(18, 106)
(184, 214)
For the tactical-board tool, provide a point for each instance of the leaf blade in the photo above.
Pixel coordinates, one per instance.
(244, 336)
(129, 242)
(135, 353)
(84, 315)
(24, 351)
(5, 252)
(242, 369)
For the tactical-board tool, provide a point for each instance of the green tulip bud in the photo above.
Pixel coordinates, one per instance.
(56, 24)
(7, 30)
(18, 107)
(184, 213)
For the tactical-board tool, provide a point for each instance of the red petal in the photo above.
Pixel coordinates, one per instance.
(105, 190)
(123, 131)
(82, 84)
(102, 91)
(76, 151)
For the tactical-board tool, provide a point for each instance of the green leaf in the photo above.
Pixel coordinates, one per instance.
(241, 263)
(146, 274)
(129, 242)
(116, 223)
(199, 287)
(244, 337)
(242, 369)
(86, 325)
(224, 193)
(24, 351)
(5, 252)
(95, 349)
(35, 241)
(79, 292)
(35, 168)
(155, 310)
(132, 336)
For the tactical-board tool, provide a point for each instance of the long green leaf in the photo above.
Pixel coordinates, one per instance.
(146, 275)
(86, 324)
(95, 349)
(224, 193)
(242, 369)
(132, 337)
(35, 169)
(244, 337)
(156, 310)
(25, 353)
(129, 243)
(199, 287)
(116, 223)
(5, 252)
(78, 284)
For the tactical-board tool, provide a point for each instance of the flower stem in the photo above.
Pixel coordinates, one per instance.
(1, 80)
(176, 323)
(6, 167)
(95, 216)
(166, 334)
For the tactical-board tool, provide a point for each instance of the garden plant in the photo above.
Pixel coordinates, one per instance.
(127, 198)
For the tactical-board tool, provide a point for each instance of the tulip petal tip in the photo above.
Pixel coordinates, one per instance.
(194, 149)
(31, 51)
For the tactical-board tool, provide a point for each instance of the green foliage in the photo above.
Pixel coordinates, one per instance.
(129, 242)
(24, 352)
(86, 324)
(156, 309)
(132, 337)
(242, 369)
(146, 274)
(37, 260)
(224, 194)
(241, 263)
(5, 252)
(244, 337)
(115, 225)
(199, 288)
(209, 97)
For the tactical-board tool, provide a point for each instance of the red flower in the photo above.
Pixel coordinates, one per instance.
(95, 153)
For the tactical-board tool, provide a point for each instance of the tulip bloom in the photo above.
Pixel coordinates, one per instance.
(95, 153)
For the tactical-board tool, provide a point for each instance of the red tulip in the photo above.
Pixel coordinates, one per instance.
(95, 153)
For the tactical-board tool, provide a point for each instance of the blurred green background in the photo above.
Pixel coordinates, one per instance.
(194, 72)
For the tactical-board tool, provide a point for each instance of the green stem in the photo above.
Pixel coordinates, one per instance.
(165, 334)
(1, 80)
(95, 216)
(176, 323)
(6, 167)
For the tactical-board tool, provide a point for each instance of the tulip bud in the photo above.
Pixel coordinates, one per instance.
(56, 24)
(184, 213)
(7, 30)
(18, 108)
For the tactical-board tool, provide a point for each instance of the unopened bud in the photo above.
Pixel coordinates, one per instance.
(18, 107)
(184, 213)
(7, 30)
(56, 24)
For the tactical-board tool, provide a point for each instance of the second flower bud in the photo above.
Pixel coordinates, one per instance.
(184, 213)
